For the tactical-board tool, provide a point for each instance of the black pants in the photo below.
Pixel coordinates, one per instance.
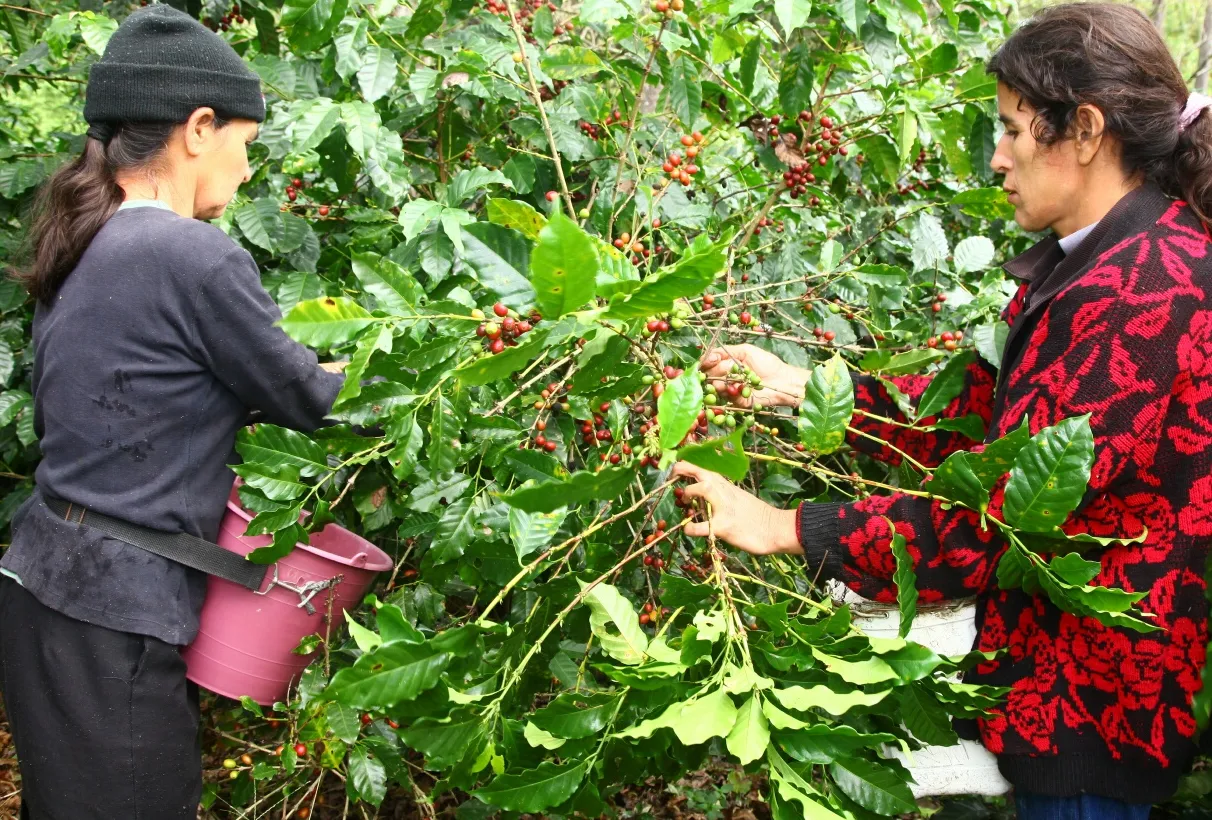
(105, 724)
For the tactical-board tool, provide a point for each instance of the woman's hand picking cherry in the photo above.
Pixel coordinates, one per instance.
(736, 516)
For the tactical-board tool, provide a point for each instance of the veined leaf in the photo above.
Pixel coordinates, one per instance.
(536, 789)
(678, 408)
(500, 258)
(905, 579)
(874, 787)
(822, 697)
(578, 488)
(750, 733)
(531, 532)
(860, 673)
(277, 447)
(693, 273)
(393, 673)
(493, 367)
(575, 715)
(520, 216)
(563, 267)
(570, 62)
(626, 643)
(955, 480)
(395, 288)
(825, 742)
(827, 407)
(1049, 476)
(945, 385)
(326, 322)
(725, 456)
(309, 24)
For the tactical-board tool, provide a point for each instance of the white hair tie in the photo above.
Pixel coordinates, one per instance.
(1196, 102)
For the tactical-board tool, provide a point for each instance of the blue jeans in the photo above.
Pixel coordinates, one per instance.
(1081, 807)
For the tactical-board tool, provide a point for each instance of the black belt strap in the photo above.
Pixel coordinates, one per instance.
(181, 547)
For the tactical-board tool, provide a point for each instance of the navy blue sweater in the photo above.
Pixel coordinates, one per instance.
(146, 364)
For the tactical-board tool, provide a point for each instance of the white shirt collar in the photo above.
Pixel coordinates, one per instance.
(1069, 243)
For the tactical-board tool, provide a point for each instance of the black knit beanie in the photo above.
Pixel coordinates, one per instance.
(161, 65)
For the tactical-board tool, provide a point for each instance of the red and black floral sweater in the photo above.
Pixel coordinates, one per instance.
(1122, 329)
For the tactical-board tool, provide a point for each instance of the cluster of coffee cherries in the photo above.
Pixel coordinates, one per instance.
(650, 612)
(526, 9)
(743, 318)
(554, 395)
(673, 161)
(234, 15)
(656, 561)
(824, 335)
(949, 339)
(828, 139)
(938, 300)
(541, 442)
(547, 94)
(668, 7)
(765, 222)
(797, 180)
(504, 330)
(666, 322)
(635, 246)
(907, 187)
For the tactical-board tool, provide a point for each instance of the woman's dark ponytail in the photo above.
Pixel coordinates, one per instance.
(1193, 165)
(81, 197)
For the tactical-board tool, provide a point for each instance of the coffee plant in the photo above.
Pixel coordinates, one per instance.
(522, 223)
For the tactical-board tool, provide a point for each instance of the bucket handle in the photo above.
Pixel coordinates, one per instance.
(305, 592)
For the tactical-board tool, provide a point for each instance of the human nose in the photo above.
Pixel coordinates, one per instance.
(1001, 162)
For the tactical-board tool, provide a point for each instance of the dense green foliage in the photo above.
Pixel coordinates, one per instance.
(595, 169)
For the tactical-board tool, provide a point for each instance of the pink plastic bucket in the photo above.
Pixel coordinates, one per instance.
(245, 640)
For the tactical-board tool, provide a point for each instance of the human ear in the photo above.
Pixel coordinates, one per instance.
(199, 131)
(1089, 127)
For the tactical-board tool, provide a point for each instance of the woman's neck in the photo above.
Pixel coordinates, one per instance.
(171, 192)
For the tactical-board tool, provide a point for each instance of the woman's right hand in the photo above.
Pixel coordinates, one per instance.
(782, 383)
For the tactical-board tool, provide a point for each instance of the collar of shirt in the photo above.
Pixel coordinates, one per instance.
(1070, 242)
(144, 203)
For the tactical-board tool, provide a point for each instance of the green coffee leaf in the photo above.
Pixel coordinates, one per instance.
(905, 579)
(692, 274)
(874, 787)
(1049, 476)
(578, 488)
(750, 733)
(520, 216)
(326, 322)
(946, 385)
(822, 697)
(616, 624)
(678, 408)
(563, 267)
(827, 407)
(725, 456)
(531, 532)
(393, 673)
(536, 789)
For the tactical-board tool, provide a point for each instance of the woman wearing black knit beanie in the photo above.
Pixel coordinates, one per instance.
(1105, 150)
(153, 341)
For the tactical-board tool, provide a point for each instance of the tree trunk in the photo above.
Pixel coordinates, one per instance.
(1159, 15)
(1205, 51)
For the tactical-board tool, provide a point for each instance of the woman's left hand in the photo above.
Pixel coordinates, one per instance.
(738, 517)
